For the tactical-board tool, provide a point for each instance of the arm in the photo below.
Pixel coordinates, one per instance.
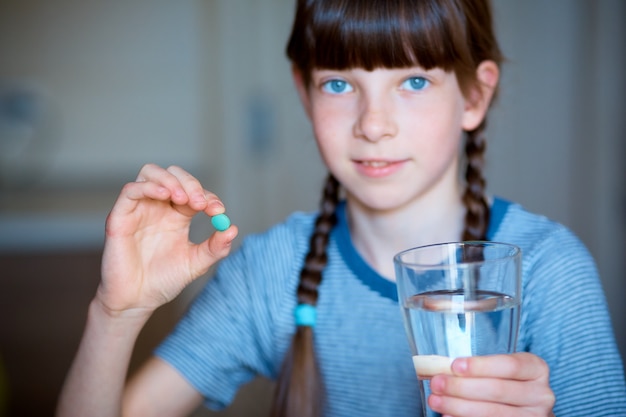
(105, 352)
(147, 261)
(158, 389)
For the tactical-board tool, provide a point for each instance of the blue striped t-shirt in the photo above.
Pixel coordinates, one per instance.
(242, 321)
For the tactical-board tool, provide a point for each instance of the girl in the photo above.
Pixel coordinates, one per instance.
(393, 89)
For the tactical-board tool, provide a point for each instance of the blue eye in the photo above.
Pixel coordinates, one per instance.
(337, 86)
(416, 83)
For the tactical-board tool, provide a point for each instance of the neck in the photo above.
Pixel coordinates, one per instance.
(378, 236)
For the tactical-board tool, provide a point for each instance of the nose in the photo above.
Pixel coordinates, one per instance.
(375, 121)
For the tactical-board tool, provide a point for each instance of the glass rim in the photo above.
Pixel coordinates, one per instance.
(514, 252)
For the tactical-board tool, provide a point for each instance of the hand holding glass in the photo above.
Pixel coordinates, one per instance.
(458, 300)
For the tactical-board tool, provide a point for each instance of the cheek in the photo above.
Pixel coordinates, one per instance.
(326, 136)
(436, 125)
(436, 133)
(330, 126)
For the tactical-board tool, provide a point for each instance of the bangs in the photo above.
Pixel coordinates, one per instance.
(374, 34)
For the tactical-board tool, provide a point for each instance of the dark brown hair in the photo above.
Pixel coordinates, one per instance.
(455, 35)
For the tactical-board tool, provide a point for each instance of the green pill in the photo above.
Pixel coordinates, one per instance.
(221, 222)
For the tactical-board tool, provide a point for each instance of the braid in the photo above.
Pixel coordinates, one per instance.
(299, 390)
(477, 209)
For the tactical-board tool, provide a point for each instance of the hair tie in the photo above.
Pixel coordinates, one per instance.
(306, 315)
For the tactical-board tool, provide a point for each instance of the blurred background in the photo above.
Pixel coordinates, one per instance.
(91, 90)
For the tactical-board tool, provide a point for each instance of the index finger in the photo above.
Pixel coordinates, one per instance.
(214, 204)
(521, 366)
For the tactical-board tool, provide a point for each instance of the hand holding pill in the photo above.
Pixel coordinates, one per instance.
(159, 206)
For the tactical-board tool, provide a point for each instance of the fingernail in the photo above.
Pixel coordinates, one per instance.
(435, 401)
(460, 365)
(217, 204)
(437, 384)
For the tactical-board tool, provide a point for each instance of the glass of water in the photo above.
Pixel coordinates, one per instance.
(458, 299)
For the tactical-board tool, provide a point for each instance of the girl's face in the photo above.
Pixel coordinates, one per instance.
(391, 136)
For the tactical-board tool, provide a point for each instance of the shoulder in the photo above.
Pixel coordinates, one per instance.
(554, 259)
(537, 235)
(276, 252)
(556, 264)
(297, 225)
(287, 237)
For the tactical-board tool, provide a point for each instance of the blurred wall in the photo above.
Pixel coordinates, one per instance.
(556, 137)
(121, 79)
(91, 90)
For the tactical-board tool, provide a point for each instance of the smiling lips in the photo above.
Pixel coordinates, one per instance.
(378, 168)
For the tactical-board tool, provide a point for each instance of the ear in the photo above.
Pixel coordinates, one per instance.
(302, 89)
(480, 95)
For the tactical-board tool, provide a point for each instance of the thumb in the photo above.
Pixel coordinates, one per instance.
(216, 247)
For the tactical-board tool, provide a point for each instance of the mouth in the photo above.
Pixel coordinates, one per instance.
(378, 168)
(378, 163)
(375, 164)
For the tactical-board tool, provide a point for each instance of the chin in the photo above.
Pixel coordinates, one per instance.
(379, 202)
